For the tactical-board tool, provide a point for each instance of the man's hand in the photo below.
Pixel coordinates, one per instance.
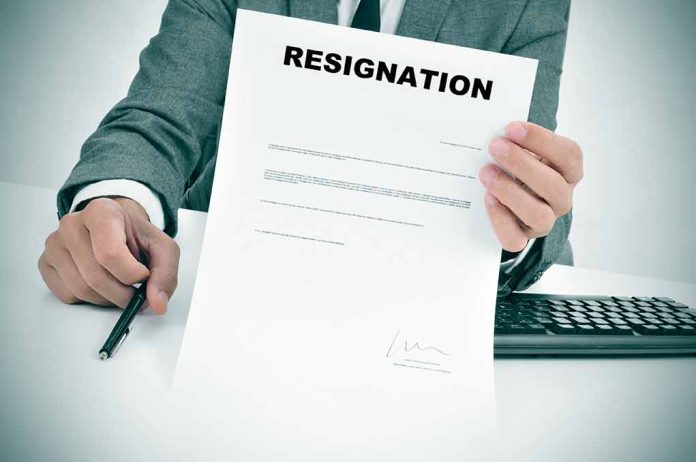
(532, 183)
(95, 256)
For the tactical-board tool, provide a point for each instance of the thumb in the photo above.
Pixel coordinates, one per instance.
(163, 263)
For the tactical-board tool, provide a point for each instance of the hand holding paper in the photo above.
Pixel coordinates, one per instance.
(535, 186)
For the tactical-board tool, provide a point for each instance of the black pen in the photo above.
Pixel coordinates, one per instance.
(123, 325)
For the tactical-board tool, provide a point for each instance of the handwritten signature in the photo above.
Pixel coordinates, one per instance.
(394, 347)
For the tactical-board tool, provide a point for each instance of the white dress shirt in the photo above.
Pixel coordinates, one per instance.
(390, 14)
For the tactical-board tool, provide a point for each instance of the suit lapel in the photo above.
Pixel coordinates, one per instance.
(315, 10)
(422, 19)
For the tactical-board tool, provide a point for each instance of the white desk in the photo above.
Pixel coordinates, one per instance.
(59, 402)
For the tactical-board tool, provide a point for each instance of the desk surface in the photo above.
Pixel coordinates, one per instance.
(59, 402)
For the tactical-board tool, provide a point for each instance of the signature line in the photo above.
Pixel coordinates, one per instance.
(444, 371)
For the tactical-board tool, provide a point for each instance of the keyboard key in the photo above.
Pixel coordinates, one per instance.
(685, 329)
(677, 305)
(622, 299)
(584, 329)
(499, 329)
(515, 329)
(643, 299)
(604, 329)
(624, 330)
(663, 299)
(546, 322)
(618, 321)
(633, 322)
(563, 329)
(647, 329)
(535, 329)
(667, 329)
(602, 322)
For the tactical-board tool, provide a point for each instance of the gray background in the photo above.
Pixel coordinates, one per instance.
(626, 96)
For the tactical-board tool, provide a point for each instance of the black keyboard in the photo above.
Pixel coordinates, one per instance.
(529, 324)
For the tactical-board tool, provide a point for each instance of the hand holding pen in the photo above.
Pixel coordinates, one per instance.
(93, 256)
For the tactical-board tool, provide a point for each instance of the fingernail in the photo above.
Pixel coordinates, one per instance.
(164, 298)
(516, 131)
(487, 175)
(499, 148)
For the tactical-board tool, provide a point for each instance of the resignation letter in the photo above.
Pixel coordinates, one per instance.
(344, 302)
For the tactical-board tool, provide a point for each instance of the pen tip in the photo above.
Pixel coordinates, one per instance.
(103, 356)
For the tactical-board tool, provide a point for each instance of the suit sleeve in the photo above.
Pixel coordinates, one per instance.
(541, 34)
(155, 136)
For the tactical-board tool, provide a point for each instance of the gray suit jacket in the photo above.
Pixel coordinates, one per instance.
(164, 133)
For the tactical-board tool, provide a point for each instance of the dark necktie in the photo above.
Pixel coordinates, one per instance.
(367, 15)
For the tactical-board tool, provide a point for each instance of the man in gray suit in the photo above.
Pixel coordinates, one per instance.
(155, 150)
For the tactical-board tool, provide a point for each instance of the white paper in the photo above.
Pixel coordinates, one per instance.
(344, 302)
